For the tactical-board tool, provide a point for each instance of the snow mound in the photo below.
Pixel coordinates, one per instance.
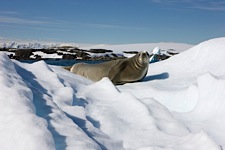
(208, 56)
(179, 105)
(18, 113)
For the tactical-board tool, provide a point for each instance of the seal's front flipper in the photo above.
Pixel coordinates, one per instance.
(115, 71)
(67, 67)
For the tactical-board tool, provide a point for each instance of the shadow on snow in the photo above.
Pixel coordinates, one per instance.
(161, 76)
(43, 110)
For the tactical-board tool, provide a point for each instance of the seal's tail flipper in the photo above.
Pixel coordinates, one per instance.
(67, 67)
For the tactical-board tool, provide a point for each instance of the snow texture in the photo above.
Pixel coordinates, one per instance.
(178, 47)
(180, 105)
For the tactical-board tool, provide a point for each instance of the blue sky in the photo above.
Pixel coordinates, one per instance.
(113, 21)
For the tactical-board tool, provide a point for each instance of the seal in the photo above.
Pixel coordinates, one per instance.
(118, 71)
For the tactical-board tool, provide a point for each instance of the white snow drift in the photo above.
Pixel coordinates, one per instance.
(180, 105)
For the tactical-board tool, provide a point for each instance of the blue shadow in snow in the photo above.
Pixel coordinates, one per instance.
(82, 124)
(43, 109)
(161, 76)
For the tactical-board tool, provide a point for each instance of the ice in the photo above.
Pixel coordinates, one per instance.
(180, 105)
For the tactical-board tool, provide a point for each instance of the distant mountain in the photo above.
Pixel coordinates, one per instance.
(117, 48)
(31, 44)
(16, 45)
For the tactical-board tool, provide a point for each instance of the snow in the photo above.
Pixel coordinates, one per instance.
(156, 50)
(44, 55)
(151, 48)
(180, 105)
(178, 47)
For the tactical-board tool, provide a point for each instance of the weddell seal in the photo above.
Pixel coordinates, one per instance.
(118, 71)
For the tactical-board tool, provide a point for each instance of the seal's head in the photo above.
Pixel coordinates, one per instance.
(142, 59)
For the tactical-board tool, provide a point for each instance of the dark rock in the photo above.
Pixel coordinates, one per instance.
(100, 51)
(68, 56)
(172, 53)
(4, 49)
(162, 57)
(60, 53)
(50, 51)
(82, 54)
(37, 57)
(114, 55)
(23, 54)
(117, 56)
(77, 50)
(130, 52)
(11, 56)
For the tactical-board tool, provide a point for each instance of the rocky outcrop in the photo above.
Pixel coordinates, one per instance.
(23, 54)
(70, 53)
(130, 52)
(68, 56)
(83, 55)
(100, 51)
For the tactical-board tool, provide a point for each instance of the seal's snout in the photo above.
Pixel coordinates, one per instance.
(145, 55)
(143, 58)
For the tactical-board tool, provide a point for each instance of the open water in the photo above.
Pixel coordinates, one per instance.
(64, 62)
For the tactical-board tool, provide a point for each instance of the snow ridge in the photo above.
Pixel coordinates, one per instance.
(179, 105)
